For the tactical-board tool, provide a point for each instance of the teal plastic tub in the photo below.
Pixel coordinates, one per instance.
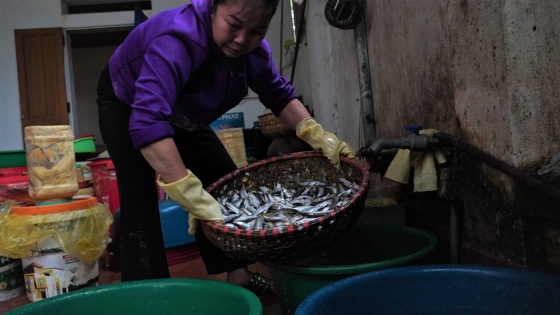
(363, 249)
(148, 297)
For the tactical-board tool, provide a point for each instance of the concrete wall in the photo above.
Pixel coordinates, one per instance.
(487, 72)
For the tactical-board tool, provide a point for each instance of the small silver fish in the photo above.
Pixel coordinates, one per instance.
(278, 206)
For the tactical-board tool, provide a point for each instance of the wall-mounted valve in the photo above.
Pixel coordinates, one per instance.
(414, 142)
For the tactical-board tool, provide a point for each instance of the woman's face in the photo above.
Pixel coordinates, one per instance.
(239, 27)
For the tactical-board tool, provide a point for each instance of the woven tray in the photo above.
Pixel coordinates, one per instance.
(289, 243)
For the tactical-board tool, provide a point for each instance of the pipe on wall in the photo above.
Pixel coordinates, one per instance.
(500, 165)
(366, 96)
(298, 38)
(454, 243)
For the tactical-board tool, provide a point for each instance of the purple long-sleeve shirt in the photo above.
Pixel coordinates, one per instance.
(170, 71)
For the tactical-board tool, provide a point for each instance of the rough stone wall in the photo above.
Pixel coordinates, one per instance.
(485, 71)
(412, 66)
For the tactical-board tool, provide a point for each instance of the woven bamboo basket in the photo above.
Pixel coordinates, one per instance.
(280, 130)
(291, 242)
(268, 119)
(272, 127)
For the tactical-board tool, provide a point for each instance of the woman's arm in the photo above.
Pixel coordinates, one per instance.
(307, 129)
(180, 184)
(164, 158)
(293, 113)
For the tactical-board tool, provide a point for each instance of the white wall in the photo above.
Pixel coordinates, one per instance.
(327, 76)
(27, 14)
(87, 65)
(18, 14)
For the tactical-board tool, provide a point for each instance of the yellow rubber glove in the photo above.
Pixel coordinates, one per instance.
(399, 169)
(191, 196)
(425, 174)
(193, 223)
(311, 132)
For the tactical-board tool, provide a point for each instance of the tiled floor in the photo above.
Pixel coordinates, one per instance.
(190, 269)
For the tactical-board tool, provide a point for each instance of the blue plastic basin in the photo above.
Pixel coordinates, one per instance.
(440, 289)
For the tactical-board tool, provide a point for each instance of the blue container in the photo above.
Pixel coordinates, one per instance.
(440, 289)
(174, 225)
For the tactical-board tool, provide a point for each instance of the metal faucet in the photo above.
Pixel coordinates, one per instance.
(414, 142)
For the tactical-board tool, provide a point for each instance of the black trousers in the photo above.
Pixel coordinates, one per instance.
(141, 239)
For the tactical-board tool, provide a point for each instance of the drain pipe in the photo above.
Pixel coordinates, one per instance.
(366, 96)
(298, 38)
(499, 165)
(455, 210)
(454, 245)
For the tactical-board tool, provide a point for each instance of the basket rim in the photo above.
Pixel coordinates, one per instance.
(267, 114)
(291, 229)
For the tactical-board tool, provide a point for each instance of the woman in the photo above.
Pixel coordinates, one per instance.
(174, 75)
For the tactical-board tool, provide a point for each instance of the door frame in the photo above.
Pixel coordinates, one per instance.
(69, 69)
(69, 77)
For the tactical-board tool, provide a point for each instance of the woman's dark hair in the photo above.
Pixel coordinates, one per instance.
(269, 5)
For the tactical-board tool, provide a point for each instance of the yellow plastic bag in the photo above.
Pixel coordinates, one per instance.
(82, 233)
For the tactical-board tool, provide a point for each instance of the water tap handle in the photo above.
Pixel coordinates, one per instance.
(414, 129)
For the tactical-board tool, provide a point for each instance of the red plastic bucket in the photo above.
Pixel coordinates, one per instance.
(15, 188)
(13, 171)
(105, 183)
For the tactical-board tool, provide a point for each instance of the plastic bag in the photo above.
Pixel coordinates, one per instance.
(83, 234)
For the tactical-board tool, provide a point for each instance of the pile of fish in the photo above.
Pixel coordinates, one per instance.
(278, 207)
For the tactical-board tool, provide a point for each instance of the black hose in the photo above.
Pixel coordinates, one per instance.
(500, 165)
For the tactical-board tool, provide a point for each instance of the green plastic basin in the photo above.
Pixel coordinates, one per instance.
(363, 249)
(13, 158)
(84, 145)
(147, 297)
